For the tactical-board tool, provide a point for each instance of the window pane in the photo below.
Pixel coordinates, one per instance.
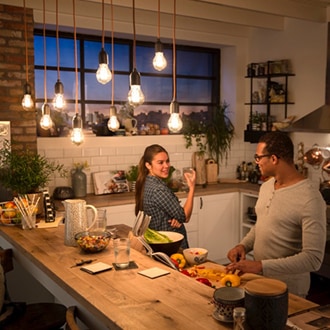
(195, 63)
(98, 92)
(194, 90)
(157, 89)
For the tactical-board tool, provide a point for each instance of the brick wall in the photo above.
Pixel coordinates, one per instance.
(13, 75)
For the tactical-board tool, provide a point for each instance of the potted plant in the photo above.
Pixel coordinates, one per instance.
(131, 176)
(213, 137)
(25, 172)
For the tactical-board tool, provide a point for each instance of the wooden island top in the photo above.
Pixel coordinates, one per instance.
(118, 299)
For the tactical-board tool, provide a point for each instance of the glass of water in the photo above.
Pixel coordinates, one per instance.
(122, 252)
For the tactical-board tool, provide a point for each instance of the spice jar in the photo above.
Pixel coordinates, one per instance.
(239, 318)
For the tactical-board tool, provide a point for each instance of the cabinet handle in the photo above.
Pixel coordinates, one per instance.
(200, 203)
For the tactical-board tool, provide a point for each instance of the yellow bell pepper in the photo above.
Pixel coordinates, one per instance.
(231, 280)
(179, 258)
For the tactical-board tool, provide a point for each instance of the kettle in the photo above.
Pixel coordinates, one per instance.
(76, 219)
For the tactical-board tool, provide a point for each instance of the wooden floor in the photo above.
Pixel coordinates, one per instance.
(320, 290)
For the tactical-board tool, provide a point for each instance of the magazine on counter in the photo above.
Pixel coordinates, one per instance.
(109, 182)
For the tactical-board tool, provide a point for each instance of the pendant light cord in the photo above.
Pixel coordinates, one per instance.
(112, 57)
(174, 52)
(134, 40)
(57, 43)
(26, 47)
(158, 29)
(102, 24)
(45, 56)
(75, 54)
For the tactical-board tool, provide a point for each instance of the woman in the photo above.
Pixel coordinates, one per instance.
(157, 200)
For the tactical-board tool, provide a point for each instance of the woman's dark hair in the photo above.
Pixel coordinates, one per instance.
(148, 156)
(279, 144)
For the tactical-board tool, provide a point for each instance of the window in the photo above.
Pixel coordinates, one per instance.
(198, 82)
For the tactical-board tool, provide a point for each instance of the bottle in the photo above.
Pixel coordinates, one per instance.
(239, 318)
(79, 183)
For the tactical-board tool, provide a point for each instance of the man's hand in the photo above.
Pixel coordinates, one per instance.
(245, 266)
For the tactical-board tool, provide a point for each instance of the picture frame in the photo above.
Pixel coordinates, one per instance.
(109, 182)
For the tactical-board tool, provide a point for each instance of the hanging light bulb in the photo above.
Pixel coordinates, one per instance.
(103, 73)
(77, 135)
(46, 121)
(59, 101)
(113, 123)
(27, 101)
(159, 62)
(135, 94)
(175, 122)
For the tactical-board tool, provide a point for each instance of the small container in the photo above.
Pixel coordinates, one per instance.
(266, 303)
(239, 318)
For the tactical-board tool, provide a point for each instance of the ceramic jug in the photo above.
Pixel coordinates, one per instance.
(76, 219)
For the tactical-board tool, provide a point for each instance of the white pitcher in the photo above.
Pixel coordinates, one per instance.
(76, 219)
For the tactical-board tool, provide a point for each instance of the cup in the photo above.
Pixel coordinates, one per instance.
(100, 223)
(185, 170)
(122, 251)
(29, 221)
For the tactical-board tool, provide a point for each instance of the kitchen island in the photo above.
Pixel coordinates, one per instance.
(117, 299)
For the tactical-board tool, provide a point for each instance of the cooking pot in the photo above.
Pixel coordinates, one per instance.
(314, 156)
(62, 193)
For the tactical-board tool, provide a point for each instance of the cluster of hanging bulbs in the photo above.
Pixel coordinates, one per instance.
(103, 76)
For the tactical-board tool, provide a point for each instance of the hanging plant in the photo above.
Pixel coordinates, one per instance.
(213, 137)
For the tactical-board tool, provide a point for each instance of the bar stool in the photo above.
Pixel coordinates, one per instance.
(22, 316)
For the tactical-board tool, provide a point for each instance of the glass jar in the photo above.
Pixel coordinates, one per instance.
(239, 318)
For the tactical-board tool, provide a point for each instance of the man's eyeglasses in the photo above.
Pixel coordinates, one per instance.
(258, 157)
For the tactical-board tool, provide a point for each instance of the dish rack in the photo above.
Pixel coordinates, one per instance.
(140, 226)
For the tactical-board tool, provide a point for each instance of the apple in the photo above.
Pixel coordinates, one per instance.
(10, 210)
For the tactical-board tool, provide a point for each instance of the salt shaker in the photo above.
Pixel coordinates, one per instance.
(239, 318)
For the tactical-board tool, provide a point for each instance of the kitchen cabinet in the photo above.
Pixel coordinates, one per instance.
(121, 214)
(269, 84)
(218, 222)
(247, 200)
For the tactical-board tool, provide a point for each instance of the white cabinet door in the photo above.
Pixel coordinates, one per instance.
(121, 214)
(219, 225)
(192, 226)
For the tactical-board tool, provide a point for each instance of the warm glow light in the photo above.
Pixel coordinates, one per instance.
(46, 121)
(77, 135)
(59, 101)
(113, 123)
(27, 102)
(103, 73)
(135, 94)
(159, 62)
(175, 122)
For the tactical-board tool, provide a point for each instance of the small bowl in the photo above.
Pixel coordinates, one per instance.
(93, 241)
(195, 256)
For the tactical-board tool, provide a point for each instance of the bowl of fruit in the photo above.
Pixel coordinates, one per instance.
(195, 256)
(93, 241)
(9, 214)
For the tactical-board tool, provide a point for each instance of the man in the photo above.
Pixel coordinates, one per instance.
(289, 237)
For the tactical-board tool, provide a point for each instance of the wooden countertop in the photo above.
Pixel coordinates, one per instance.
(122, 299)
(129, 197)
